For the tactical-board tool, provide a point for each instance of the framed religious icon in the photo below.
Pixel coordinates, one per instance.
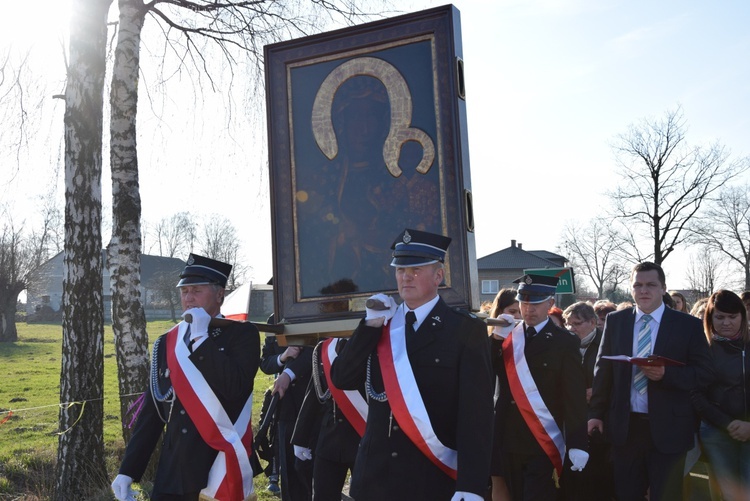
(367, 137)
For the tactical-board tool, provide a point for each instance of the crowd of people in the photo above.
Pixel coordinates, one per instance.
(429, 402)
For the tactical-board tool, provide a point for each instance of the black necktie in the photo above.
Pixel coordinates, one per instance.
(411, 319)
(530, 332)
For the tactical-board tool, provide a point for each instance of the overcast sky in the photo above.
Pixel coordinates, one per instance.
(549, 85)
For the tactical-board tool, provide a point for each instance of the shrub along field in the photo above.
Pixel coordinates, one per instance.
(29, 405)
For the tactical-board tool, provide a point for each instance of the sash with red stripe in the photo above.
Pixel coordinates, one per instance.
(231, 475)
(406, 401)
(534, 411)
(350, 402)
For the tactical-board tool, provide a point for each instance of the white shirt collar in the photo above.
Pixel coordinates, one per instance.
(656, 314)
(422, 311)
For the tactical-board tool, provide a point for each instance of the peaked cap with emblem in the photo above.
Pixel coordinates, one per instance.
(535, 288)
(419, 248)
(203, 271)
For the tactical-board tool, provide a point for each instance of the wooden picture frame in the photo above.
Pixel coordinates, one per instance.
(367, 136)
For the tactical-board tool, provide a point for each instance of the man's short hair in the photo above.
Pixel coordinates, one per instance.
(649, 266)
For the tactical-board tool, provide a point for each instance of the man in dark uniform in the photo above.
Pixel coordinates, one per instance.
(427, 372)
(542, 402)
(201, 385)
(293, 366)
(595, 482)
(326, 425)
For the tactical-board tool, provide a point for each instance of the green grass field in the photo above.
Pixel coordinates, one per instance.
(29, 405)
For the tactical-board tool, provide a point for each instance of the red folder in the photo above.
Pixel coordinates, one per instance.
(651, 360)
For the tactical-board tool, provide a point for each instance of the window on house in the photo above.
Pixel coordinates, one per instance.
(490, 286)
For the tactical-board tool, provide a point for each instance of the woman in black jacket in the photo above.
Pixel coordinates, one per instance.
(723, 404)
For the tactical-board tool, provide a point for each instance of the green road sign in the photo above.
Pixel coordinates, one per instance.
(566, 285)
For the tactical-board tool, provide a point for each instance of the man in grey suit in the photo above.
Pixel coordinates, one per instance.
(645, 411)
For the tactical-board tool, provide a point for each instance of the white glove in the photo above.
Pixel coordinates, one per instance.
(466, 496)
(121, 487)
(199, 324)
(500, 332)
(388, 313)
(579, 459)
(303, 453)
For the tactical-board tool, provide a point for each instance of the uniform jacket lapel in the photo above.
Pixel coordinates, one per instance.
(540, 341)
(429, 329)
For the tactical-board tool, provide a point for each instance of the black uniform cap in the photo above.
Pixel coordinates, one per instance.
(203, 270)
(535, 288)
(419, 248)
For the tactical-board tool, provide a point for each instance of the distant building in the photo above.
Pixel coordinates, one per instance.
(498, 270)
(159, 277)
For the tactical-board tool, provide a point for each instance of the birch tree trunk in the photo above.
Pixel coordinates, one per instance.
(124, 250)
(80, 469)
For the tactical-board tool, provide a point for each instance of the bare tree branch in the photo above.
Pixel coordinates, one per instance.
(665, 182)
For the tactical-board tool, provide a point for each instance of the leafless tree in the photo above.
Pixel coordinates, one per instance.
(238, 29)
(705, 272)
(23, 248)
(81, 465)
(219, 241)
(593, 247)
(665, 182)
(725, 228)
(175, 235)
(25, 241)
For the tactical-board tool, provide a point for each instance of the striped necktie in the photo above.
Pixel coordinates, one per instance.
(644, 349)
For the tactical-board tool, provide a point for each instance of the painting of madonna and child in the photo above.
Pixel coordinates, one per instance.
(367, 158)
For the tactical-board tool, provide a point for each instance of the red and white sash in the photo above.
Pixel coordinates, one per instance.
(351, 402)
(538, 418)
(406, 401)
(231, 475)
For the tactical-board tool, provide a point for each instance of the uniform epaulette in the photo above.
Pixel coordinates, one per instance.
(465, 313)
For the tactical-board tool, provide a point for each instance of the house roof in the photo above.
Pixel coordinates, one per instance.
(159, 265)
(550, 256)
(514, 257)
(150, 265)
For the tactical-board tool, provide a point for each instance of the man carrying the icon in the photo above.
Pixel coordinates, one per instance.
(542, 403)
(200, 389)
(427, 371)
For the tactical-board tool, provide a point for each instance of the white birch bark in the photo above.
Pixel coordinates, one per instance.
(80, 469)
(124, 250)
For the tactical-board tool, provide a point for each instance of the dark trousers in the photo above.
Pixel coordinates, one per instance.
(328, 479)
(593, 483)
(529, 477)
(296, 480)
(640, 467)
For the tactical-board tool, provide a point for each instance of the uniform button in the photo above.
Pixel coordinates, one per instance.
(394, 454)
(437, 360)
(200, 358)
(395, 427)
(340, 420)
(513, 402)
(182, 411)
(184, 430)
